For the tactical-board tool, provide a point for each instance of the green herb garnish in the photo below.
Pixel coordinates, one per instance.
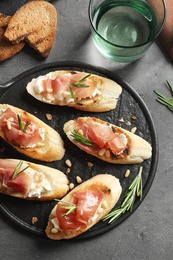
(168, 102)
(21, 127)
(18, 170)
(81, 139)
(68, 205)
(134, 190)
(78, 84)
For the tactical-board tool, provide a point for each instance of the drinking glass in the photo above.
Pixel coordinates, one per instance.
(123, 30)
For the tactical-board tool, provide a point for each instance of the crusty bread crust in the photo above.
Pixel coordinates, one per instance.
(57, 179)
(51, 149)
(137, 150)
(7, 49)
(35, 22)
(107, 101)
(111, 188)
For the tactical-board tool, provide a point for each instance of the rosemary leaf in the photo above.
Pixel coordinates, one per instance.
(20, 122)
(134, 190)
(168, 102)
(81, 139)
(68, 205)
(78, 84)
(18, 170)
(21, 127)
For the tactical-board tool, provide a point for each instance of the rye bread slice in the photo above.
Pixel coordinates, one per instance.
(35, 22)
(7, 49)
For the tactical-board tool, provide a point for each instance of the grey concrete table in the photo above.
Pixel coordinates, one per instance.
(148, 233)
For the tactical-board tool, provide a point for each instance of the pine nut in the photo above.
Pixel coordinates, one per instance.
(78, 179)
(102, 152)
(133, 130)
(71, 186)
(68, 163)
(54, 231)
(80, 132)
(127, 173)
(108, 154)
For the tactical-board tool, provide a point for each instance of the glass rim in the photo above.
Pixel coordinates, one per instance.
(134, 46)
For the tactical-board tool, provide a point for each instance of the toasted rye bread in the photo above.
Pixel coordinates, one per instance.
(50, 149)
(7, 49)
(44, 183)
(108, 92)
(111, 189)
(36, 23)
(137, 149)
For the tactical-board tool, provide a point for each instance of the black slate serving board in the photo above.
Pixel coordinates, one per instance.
(19, 211)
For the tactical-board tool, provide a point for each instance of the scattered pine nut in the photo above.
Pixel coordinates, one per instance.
(133, 130)
(78, 179)
(68, 163)
(71, 186)
(134, 117)
(68, 171)
(34, 219)
(121, 120)
(127, 173)
(49, 116)
(90, 164)
(128, 123)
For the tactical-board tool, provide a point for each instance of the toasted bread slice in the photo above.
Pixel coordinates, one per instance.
(7, 49)
(105, 184)
(4, 20)
(94, 94)
(107, 142)
(36, 23)
(49, 145)
(35, 182)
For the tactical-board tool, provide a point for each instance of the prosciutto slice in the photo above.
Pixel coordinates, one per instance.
(25, 138)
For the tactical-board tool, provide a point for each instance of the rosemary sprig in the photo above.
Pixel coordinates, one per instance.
(81, 139)
(134, 190)
(168, 102)
(69, 206)
(21, 127)
(78, 84)
(18, 170)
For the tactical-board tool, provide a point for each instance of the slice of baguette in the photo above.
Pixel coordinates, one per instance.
(35, 22)
(105, 99)
(7, 49)
(50, 149)
(111, 189)
(45, 183)
(137, 149)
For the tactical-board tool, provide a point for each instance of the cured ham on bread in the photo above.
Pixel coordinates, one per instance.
(31, 181)
(90, 202)
(106, 141)
(29, 135)
(83, 91)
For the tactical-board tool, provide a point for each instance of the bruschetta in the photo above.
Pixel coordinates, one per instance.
(106, 141)
(80, 90)
(83, 207)
(31, 181)
(29, 135)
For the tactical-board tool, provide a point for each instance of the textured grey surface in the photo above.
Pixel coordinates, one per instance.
(148, 233)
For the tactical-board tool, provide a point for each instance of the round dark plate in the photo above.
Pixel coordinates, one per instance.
(129, 104)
